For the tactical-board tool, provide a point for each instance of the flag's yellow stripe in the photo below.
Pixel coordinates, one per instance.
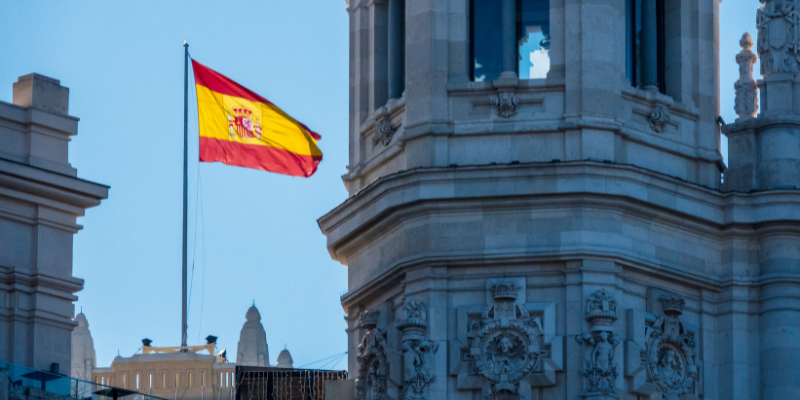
(277, 131)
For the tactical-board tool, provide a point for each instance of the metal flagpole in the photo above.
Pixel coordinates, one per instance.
(185, 179)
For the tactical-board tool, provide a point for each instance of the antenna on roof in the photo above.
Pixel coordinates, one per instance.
(254, 302)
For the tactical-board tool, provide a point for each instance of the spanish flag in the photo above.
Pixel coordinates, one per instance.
(241, 128)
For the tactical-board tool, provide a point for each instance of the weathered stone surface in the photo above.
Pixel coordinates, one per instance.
(637, 273)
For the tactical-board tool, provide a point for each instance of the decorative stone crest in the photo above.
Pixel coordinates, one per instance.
(670, 352)
(599, 346)
(746, 103)
(506, 104)
(659, 118)
(506, 347)
(382, 129)
(778, 47)
(418, 352)
(373, 367)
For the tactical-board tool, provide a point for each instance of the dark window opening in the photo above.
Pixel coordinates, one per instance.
(532, 28)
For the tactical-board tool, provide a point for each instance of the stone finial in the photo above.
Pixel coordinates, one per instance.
(746, 103)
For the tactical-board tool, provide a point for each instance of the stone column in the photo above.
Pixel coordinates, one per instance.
(396, 48)
(509, 20)
(649, 46)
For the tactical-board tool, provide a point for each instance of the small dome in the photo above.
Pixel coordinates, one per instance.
(82, 321)
(253, 314)
(285, 359)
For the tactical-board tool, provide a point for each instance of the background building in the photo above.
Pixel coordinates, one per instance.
(537, 208)
(41, 198)
(183, 375)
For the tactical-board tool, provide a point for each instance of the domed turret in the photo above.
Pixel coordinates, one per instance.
(285, 359)
(83, 355)
(253, 349)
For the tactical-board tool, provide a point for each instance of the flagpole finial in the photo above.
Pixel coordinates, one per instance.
(185, 43)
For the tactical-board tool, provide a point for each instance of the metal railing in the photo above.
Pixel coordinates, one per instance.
(28, 383)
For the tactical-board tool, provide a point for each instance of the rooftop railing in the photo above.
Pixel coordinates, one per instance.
(27, 384)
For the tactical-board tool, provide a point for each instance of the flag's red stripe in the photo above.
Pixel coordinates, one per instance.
(259, 157)
(222, 84)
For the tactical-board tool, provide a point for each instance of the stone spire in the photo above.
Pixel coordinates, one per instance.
(253, 349)
(285, 359)
(83, 356)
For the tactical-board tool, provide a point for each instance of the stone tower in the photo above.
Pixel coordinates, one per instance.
(536, 209)
(253, 349)
(83, 356)
(41, 198)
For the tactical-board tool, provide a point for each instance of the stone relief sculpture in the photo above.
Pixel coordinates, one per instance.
(372, 364)
(506, 104)
(746, 102)
(599, 347)
(382, 130)
(660, 353)
(777, 23)
(418, 352)
(506, 347)
(659, 118)
(670, 351)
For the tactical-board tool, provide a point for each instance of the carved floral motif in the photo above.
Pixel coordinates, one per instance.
(659, 118)
(506, 104)
(382, 129)
(746, 102)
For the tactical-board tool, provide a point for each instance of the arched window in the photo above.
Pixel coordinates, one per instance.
(531, 24)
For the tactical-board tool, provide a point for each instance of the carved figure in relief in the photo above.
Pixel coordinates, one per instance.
(505, 348)
(599, 346)
(670, 350)
(418, 353)
(372, 365)
(603, 352)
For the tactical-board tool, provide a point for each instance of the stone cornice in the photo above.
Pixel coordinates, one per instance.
(50, 185)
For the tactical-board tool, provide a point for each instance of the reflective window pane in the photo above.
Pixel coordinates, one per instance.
(533, 38)
(485, 36)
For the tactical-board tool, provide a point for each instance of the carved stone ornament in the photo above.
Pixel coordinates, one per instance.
(506, 104)
(506, 347)
(418, 352)
(746, 101)
(383, 131)
(659, 118)
(599, 346)
(670, 358)
(778, 47)
(373, 367)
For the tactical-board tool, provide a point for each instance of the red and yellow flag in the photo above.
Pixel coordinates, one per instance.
(239, 127)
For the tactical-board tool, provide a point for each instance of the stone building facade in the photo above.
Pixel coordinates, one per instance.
(181, 375)
(41, 198)
(537, 209)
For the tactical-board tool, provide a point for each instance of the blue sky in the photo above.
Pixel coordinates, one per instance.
(253, 235)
